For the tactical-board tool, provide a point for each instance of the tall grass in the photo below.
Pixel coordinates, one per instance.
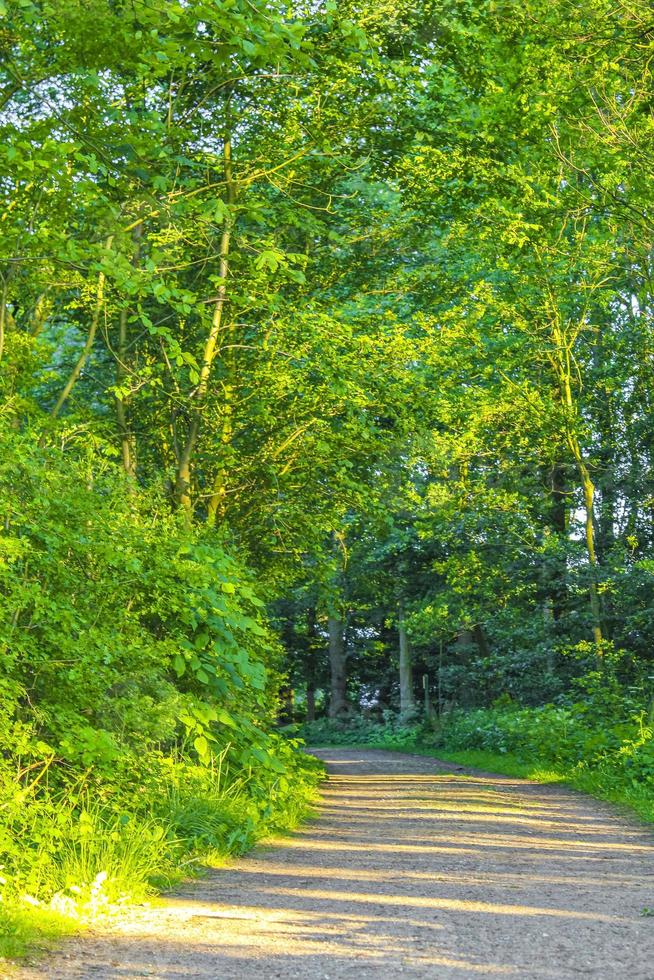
(74, 854)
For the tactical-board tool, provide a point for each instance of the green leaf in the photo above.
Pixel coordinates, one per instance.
(225, 719)
(269, 259)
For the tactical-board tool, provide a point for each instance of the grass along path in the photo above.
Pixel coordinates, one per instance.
(413, 869)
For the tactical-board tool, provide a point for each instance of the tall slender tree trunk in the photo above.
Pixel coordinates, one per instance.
(407, 699)
(338, 667)
(123, 369)
(589, 495)
(311, 701)
(562, 362)
(559, 524)
(463, 646)
(479, 636)
(588, 488)
(555, 573)
(211, 348)
(90, 339)
(310, 664)
(218, 497)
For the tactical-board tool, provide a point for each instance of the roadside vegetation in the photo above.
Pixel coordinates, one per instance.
(85, 846)
(609, 756)
(139, 690)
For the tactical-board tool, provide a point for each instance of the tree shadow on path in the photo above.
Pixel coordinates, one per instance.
(412, 871)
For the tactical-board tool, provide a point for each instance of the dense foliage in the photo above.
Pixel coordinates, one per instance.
(326, 380)
(511, 538)
(139, 682)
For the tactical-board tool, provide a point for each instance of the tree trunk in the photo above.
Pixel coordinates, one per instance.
(337, 664)
(479, 637)
(310, 664)
(589, 493)
(216, 506)
(562, 361)
(311, 701)
(463, 646)
(123, 367)
(90, 338)
(559, 524)
(211, 348)
(407, 699)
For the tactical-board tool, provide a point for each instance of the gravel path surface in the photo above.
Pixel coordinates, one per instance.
(414, 869)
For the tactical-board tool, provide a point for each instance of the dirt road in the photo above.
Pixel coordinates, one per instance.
(413, 870)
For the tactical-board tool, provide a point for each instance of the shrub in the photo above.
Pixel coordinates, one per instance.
(137, 678)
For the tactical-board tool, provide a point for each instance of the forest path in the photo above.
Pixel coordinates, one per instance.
(414, 869)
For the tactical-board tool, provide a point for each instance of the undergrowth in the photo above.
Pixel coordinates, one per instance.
(73, 855)
(139, 680)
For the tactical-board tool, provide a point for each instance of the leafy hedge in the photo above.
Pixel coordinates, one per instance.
(359, 731)
(138, 830)
(121, 628)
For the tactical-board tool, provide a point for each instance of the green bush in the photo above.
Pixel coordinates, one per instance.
(393, 732)
(121, 627)
(562, 736)
(138, 678)
(85, 850)
(613, 760)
